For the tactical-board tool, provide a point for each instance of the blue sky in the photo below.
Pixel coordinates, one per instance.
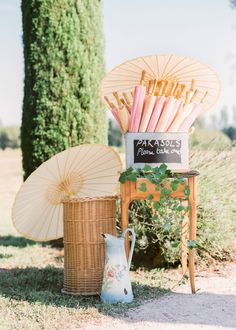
(203, 29)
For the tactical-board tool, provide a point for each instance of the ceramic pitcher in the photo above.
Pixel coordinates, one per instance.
(116, 285)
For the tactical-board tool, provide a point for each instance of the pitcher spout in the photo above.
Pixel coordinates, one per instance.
(112, 241)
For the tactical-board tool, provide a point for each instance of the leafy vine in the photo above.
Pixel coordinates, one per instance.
(166, 183)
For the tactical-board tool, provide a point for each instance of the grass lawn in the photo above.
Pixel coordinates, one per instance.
(31, 278)
(31, 274)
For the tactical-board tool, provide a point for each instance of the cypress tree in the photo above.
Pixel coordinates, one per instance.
(63, 52)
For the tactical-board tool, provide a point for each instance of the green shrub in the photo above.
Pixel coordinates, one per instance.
(115, 138)
(63, 51)
(9, 137)
(216, 227)
(230, 132)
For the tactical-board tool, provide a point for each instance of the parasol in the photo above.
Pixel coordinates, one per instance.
(148, 107)
(138, 102)
(160, 103)
(188, 121)
(163, 67)
(83, 171)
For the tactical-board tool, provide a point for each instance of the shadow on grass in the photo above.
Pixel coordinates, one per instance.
(44, 285)
(10, 240)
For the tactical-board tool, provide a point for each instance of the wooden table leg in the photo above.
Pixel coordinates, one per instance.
(125, 213)
(184, 237)
(192, 229)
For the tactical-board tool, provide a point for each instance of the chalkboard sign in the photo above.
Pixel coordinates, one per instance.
(157, 151)
(157, 148)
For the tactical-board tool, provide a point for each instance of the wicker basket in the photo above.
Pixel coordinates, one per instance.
(84, 222)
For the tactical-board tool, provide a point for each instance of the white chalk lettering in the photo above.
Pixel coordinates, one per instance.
(142, 152)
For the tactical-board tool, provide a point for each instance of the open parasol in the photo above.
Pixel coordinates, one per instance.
(173, 68)
(83, 171)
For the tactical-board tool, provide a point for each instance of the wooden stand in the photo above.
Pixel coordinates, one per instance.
(130, 192)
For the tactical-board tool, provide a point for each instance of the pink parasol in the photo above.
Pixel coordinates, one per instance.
(163, 122)
(148, 106)
(195, 112)
(188, 121)
(178, 108)
(137, 107)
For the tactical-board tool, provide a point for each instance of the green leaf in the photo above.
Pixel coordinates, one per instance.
(147, 168)
(162, 168)
(180, 208)
(158, 187)
(155, 218)
(132, 177)
(175, 244)
(156, 205)
(174, 185)
(187, 191)
(191, 244)
(165, 191)
(150, 197)
(129, 170)
(122, 178)
(162, 199)
(150, 177)
(163, 176)
(181, 180)
(167, 226)
(143, 187)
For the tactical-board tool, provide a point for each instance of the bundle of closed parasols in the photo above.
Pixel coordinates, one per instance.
(157, 106)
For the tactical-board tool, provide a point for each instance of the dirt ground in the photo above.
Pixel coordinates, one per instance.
(212, 307)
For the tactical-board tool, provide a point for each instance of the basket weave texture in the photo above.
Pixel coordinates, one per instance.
(84, 247)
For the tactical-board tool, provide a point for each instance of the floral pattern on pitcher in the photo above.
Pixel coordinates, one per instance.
(112, 273)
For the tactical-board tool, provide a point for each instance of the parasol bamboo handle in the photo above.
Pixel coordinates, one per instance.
(110, 104)
(204, 97)
(116, 96)
(124, 103)
(194, 96)
(142, 77)
(127, 100)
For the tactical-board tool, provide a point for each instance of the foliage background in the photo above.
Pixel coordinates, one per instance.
(63, 51)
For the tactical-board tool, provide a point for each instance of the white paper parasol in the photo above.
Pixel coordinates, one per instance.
(84, 171)
(163, 67)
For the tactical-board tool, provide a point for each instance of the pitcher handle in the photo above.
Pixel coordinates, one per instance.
(132, 244)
